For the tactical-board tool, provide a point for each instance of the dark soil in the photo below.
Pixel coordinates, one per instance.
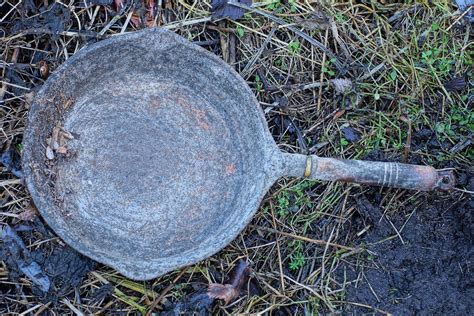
(54, 271)
(431, 272)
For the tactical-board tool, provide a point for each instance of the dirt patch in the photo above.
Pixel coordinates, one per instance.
(54, 271)
(429, 272)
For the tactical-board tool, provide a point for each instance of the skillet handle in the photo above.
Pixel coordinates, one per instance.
(387, 174)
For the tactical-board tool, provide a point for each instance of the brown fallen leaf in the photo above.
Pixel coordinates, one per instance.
(224, 292)
(149, 15)
(66, 134)
(61, 150)
(339, 114)
(230, 291)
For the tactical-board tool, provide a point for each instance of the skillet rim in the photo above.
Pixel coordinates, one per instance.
(139, 270)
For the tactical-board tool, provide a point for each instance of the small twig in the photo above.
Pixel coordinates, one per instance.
(465, 191)
(42, 308)
(406, 152)
(396, 231)
(40, 30)
(460, 17)
(297, 87)
(11, 10)
(256, 56)
(323, 265)
(280, 265)
(320, 122)
(72, 307)
(114, 19)
(4, 87)
(179, 24)
(306, 287)
(206, 43)
(165, 291)
(127, 21)
(232, 49)
(310, 240)
(224, 42)
(321, 76)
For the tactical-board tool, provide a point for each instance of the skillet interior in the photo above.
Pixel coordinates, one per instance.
(168, 160)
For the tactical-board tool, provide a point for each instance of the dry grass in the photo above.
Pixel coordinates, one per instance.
(396, 60)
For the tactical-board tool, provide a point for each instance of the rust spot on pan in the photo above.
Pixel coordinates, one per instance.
(199, 115)
(155, 105)
(230, 169)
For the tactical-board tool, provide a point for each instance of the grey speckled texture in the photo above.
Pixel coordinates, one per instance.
(162, 172)
(170, 159)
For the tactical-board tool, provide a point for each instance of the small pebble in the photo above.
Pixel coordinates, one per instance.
(49, 153)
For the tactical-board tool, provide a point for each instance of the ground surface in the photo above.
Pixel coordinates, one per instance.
(405, 94)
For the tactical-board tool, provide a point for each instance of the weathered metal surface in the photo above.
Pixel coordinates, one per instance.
(154, 157)
(389, 174)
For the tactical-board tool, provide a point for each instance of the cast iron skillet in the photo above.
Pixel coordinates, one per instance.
(148, 153)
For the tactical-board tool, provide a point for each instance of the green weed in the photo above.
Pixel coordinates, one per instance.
(283, 204)
(297, 258)
(296, 196)
(294, 47)
(239, 30)
(328, 67)
(281, 63)
(275, 6)
(297, 261)
(258, 83)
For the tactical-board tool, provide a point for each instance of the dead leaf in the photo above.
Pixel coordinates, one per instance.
(11, 159)
(224, 292)
(222, 9)
(350, 134)
(457, 83)
(19, 256)
(149, 15)
(230, 291)
(62, 150)
(339, 114)
(404, 118)
(66, 134)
